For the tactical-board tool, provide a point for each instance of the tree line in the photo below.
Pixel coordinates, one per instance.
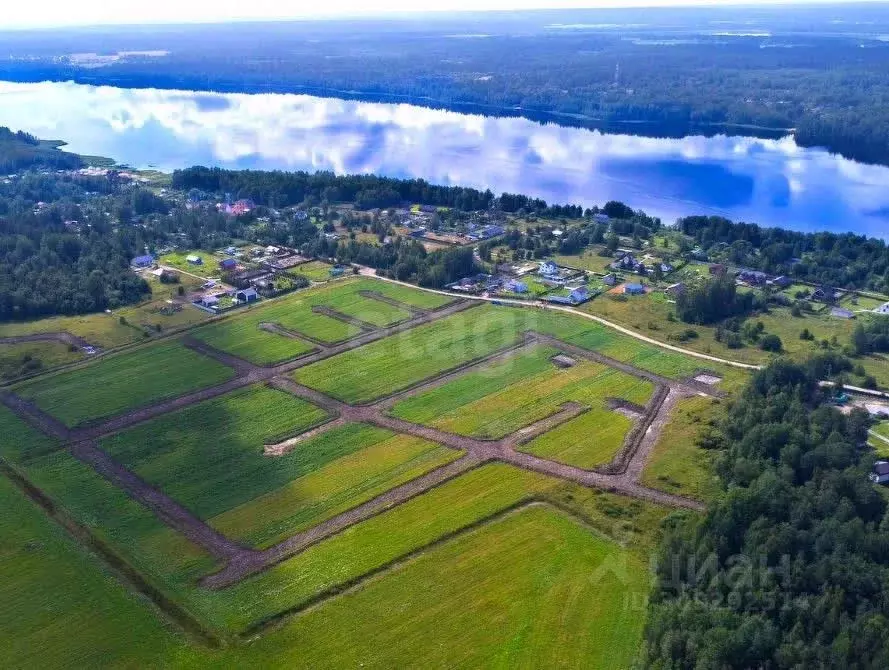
(789, 567)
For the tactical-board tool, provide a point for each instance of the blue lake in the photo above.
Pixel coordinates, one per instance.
(771, 182)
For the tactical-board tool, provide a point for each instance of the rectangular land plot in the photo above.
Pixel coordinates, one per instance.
(439, 513)
(531, 589)
(398, 362)
(241, 335)
(123, 382)
(364, 462)
(19, 441)
(209, 456)
(519, 401)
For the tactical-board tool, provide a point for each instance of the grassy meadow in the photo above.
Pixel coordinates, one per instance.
(510, 394)
(240, 334)
(362, 461)
(114, 384)
(677, 464)
(29, 358)
(209, 456)
(395, 363)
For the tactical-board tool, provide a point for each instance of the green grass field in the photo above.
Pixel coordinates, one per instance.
(358, 463)
(590, 440)
(59, 608)
(649, 316)
(122, 382)
(209, 267)
(558, 594)
(209, 455)
(447, 509)
(390, 365)
(507, 395)
(677, 464)
(19, 441)
(104, 330)
(314, 270)
(534, 589)
(240, 334)
(28, 358)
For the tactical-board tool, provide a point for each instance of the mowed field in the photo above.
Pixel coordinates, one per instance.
(534, 589)
(496, 567)
(513, 393)
(350, 465)
(241, 335)
(209, 456)
(398, 362)
(61, 609)
(115, 384)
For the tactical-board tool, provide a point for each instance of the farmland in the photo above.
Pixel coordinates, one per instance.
(362, 462)
(511, 394)
(354, 506)
(241, 335)
(59, 609)
(118, 383)
(222, 439)
(405, 529)
(533, 568)
(397, 362)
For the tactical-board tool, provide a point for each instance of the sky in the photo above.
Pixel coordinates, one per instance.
(52, 13)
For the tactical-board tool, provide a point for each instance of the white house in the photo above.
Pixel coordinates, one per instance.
(882, 309)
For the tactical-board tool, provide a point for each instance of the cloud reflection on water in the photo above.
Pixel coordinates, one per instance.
(773, 182)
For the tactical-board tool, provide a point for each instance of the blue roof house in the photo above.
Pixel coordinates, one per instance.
(228, 264)
(579, 295)
(143, 261)
(634, 289)
(517, 286)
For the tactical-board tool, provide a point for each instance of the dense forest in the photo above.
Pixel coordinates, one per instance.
(20, 151)
(48, 267)
(666, 72)
(790, 567)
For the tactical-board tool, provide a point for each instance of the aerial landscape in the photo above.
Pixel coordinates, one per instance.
(471, 336)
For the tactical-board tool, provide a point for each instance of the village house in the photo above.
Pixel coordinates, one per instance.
(880, 472)
(609, 279)
(753, 277)
(842, 313)
(516, 286)
(548, 269)
(717, 270)
(827, 294)
(142, 262)
(882, 309)
(246, 295)
(228, 264)
(781, 281)
(193, 259)
(634, 289)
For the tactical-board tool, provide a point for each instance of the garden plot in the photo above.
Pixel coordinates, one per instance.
(354, 464)
(208, 456)
(248, 334)
(115, 384)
